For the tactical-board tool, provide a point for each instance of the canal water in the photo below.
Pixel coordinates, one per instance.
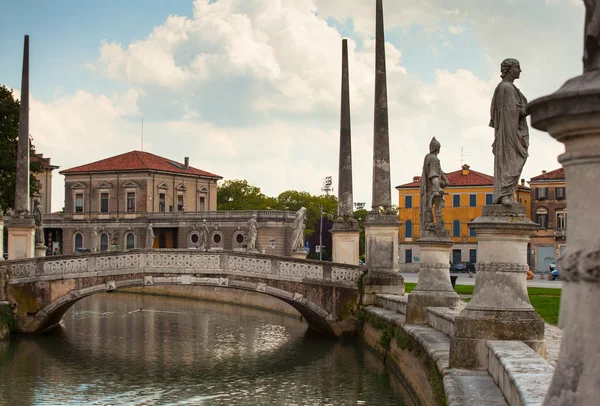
(128, 349)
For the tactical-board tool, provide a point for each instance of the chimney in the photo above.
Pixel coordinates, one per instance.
(522, 182)
(416, 178)
(465, 169)
(543, 172)
(186, 161)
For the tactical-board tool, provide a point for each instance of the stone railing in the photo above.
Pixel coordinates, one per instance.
(180, 262)
(183, 215)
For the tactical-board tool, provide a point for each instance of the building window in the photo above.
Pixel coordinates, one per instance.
(78, 202)
(489, 198)
(456, 228)
(103, 242)
(541, 193)
(456, 201)
(104, 202)
(130, 202)
(179, 202)
(202, 203)
(561, 220)
(541, 217)
(472, 256)
(130, 241)
(409, 229)
(78, 240)
(408, 256)
(407, 202)
(561, 193)
(472, 232)
(472, 200)
(162, 202)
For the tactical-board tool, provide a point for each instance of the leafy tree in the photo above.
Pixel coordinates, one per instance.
(240, 195)
(9, 136)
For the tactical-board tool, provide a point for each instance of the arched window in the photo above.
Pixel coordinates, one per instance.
(103, 242)
(130, 241)
(409, 229)
(78, 240)
(456, 228)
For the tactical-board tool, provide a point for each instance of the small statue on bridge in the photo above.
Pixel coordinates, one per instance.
(298, 232)
(39, 225)
(203, 243)
(94, 246)
(149, 236)
(252, 233)
(433, 182)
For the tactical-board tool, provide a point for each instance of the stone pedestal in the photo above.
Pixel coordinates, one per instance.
(299, 254)
(40, 250)
(345, 241)
(500, 307)
(381, 235)
(434, 288)
(21, 238)
(572, 116)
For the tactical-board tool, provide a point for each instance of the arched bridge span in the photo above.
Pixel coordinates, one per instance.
(43, 289)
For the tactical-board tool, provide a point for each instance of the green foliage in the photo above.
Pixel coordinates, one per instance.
(9, 135)
(7, 318)
(240, 195)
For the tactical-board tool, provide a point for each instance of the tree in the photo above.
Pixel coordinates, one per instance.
(240, 195)
(9, 135)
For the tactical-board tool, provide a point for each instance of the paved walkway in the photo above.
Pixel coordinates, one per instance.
(463, 279)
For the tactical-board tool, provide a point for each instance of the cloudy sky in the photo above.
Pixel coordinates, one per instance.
(250, 89)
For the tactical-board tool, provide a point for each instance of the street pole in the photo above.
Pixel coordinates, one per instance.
(321, 236)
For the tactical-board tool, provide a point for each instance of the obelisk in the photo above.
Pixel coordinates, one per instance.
(345, 233)
(381, 225)
(21, 226)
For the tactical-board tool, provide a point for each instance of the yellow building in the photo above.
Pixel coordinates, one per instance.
(467, 193)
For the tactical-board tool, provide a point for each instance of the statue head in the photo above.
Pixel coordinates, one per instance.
(203, 222)
(36, 202)
(510, 67)
(434, 146)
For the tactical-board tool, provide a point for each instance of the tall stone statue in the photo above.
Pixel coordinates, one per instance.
(511, 134)
(252, 233)
(95, 247)
(39, 226)
(433, 182)
(204, 236)
(591, 44)
(149, 236)
(298, 232)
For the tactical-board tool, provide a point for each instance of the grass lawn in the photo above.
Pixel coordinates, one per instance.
(545, 301)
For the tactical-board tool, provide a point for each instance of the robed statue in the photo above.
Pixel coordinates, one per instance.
(252, 233)
(433, 182)
(149, 236)
(39, 226)
(204, 236)
(591, 44)
(298, 232)
(511, 133)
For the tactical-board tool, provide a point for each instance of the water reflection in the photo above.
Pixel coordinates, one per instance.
(134, 349)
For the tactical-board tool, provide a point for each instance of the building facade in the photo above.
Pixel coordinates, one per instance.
(44, 182)
(467, 193)
(110, 204)
(549, 210)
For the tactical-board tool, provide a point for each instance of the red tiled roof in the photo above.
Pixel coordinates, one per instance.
(456, 178)
(557, 174)
(138, 160)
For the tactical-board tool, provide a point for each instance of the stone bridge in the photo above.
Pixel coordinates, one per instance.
(43, 289)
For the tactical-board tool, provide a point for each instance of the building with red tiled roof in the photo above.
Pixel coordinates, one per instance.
(549, 210)
(467, 193)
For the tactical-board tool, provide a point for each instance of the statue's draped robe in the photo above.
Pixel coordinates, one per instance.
(511, 139)
(431, 168)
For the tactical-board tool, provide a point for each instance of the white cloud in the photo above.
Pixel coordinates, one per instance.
(456, 29)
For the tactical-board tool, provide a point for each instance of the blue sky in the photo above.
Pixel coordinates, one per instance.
(250, 88)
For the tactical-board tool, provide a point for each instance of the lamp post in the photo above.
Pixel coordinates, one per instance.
(321, 234)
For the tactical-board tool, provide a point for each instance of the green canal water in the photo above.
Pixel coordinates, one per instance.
(127, 349)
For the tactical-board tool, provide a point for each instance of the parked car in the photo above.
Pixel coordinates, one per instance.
(458, 267)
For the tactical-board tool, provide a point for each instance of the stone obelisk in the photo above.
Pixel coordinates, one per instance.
(571, 115)
(21, 227)
(381, 225)
(345, 233)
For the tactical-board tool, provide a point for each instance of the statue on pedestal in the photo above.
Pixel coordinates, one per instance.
(95, 247)
(433, 182)
(591, 50)
(252, 233)
(204, 236)
(511, 133)
(298, 232)
(149, 236)
(39, 226)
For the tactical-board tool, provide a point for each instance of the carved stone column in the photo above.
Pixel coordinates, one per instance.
(572, 116)
(434, 288)
(500, 307)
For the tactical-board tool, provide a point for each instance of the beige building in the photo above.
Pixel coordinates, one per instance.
(109, 204)
(44, 181)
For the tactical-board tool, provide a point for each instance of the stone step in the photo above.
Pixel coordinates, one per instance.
(442, 319)
(395, 303)
(522, 375)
